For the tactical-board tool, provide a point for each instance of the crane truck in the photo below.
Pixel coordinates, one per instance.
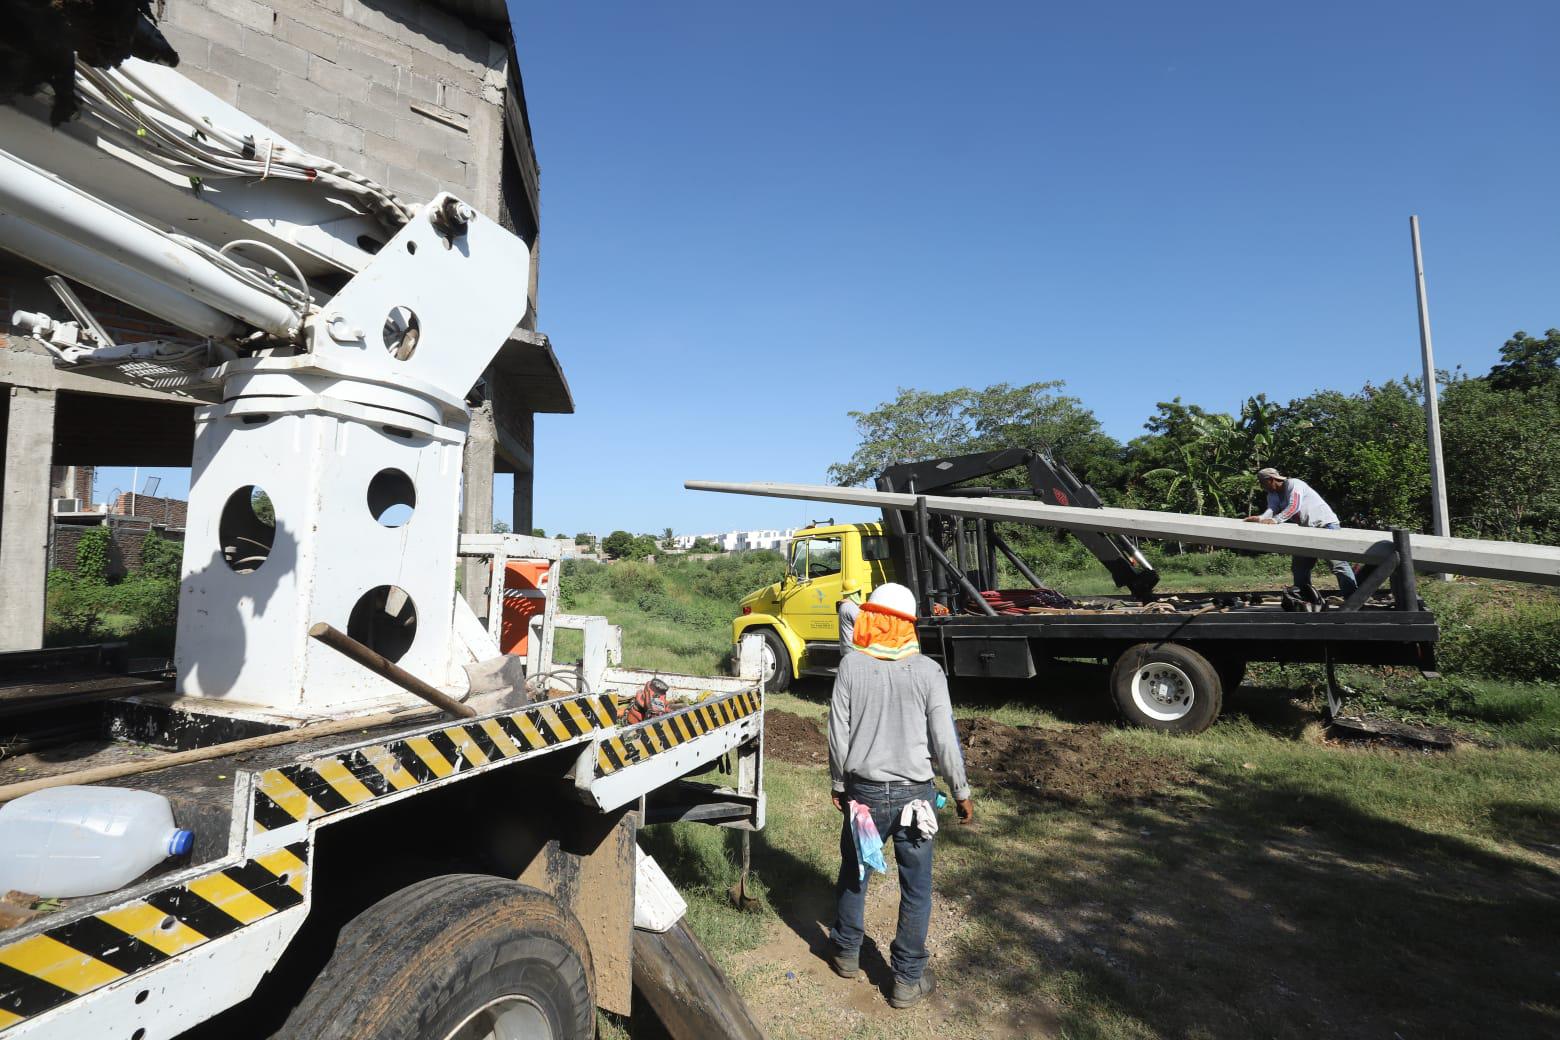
(455, 862)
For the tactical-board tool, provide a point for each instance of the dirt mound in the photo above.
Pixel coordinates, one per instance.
(1070, 765)
(792, 738)
(1062, 765)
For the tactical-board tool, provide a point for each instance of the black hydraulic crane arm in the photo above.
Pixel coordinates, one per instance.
(1049, 481)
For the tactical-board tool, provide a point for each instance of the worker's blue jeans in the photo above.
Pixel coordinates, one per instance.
(1302, 565)
(912, 854)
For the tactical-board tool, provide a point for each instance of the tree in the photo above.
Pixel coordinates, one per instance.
(617, 545)
(620, 545)
(667, 538)
(919, 425)
(538, 532)
(584, 538)
(499, 527)
(264, 510)
(1258, 417)
(705, 545)
(1364, 453)
(1193, 462)
(1517, 497)
(1527, 362)
(1204, 462)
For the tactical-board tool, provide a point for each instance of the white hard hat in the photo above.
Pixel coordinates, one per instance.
(895, 597)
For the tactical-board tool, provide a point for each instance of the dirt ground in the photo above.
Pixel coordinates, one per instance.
(793, 980)
(1062, 765)
(1302, 885)
(1067, 766)
(792, 738)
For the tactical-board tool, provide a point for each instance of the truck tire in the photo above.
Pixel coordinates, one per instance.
(777, 679)
(1166, 687)
(456, 957)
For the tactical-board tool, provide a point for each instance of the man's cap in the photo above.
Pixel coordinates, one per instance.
(1269, 472)
(895, 598)
(850, 586)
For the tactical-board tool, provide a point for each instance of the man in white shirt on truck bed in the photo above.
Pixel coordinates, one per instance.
(1291, 500)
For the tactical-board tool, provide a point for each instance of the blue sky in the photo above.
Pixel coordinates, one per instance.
(759, 217)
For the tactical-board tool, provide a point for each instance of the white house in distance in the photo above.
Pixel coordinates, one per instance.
(737, 541)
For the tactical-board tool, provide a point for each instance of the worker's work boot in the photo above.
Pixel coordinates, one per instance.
(846, 966)
(907, 993)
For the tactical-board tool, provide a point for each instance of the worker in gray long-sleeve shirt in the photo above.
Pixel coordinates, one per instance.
(1291, 500)
(889, 720)
(850, 606)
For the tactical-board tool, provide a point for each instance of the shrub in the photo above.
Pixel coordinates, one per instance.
(579, 577)
(635, 581)
(74, 610)
(93, 555)
(1496, 631)
(1218, 561)
(153, 602)
(160, 557)
(732, 577)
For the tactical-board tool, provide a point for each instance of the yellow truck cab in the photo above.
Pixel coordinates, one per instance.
(796, 619)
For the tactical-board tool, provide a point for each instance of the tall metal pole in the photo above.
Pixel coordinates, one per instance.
(1438, 518)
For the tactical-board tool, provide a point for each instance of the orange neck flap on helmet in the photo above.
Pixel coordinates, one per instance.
(885, 634)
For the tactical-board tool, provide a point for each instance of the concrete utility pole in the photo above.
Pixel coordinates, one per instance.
(24, 551)
(1438, 518)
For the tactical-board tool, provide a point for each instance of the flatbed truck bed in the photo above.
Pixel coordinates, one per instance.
(1174, 656)
(237, 920)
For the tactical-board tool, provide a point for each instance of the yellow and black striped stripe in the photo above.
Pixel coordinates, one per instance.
(49, 968)
(308, 790)
(637, 743)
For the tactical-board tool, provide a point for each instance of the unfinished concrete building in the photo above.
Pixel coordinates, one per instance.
(420, 96)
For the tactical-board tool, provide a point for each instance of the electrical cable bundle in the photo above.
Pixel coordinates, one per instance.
(139, 115)
(1018, 601)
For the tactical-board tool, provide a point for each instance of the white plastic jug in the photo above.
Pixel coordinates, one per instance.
(79, 841)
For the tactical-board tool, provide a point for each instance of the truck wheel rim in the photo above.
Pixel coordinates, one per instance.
(1163, 692)
(768, 664)
(511, 1017)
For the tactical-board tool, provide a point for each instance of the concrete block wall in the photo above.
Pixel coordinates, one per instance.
(124, 547)
(399, 90)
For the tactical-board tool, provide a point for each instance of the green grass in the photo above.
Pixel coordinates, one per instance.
(1221, 571)
(1296, 888)
(1497, 638)
(1293, 890)
(651, 642)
